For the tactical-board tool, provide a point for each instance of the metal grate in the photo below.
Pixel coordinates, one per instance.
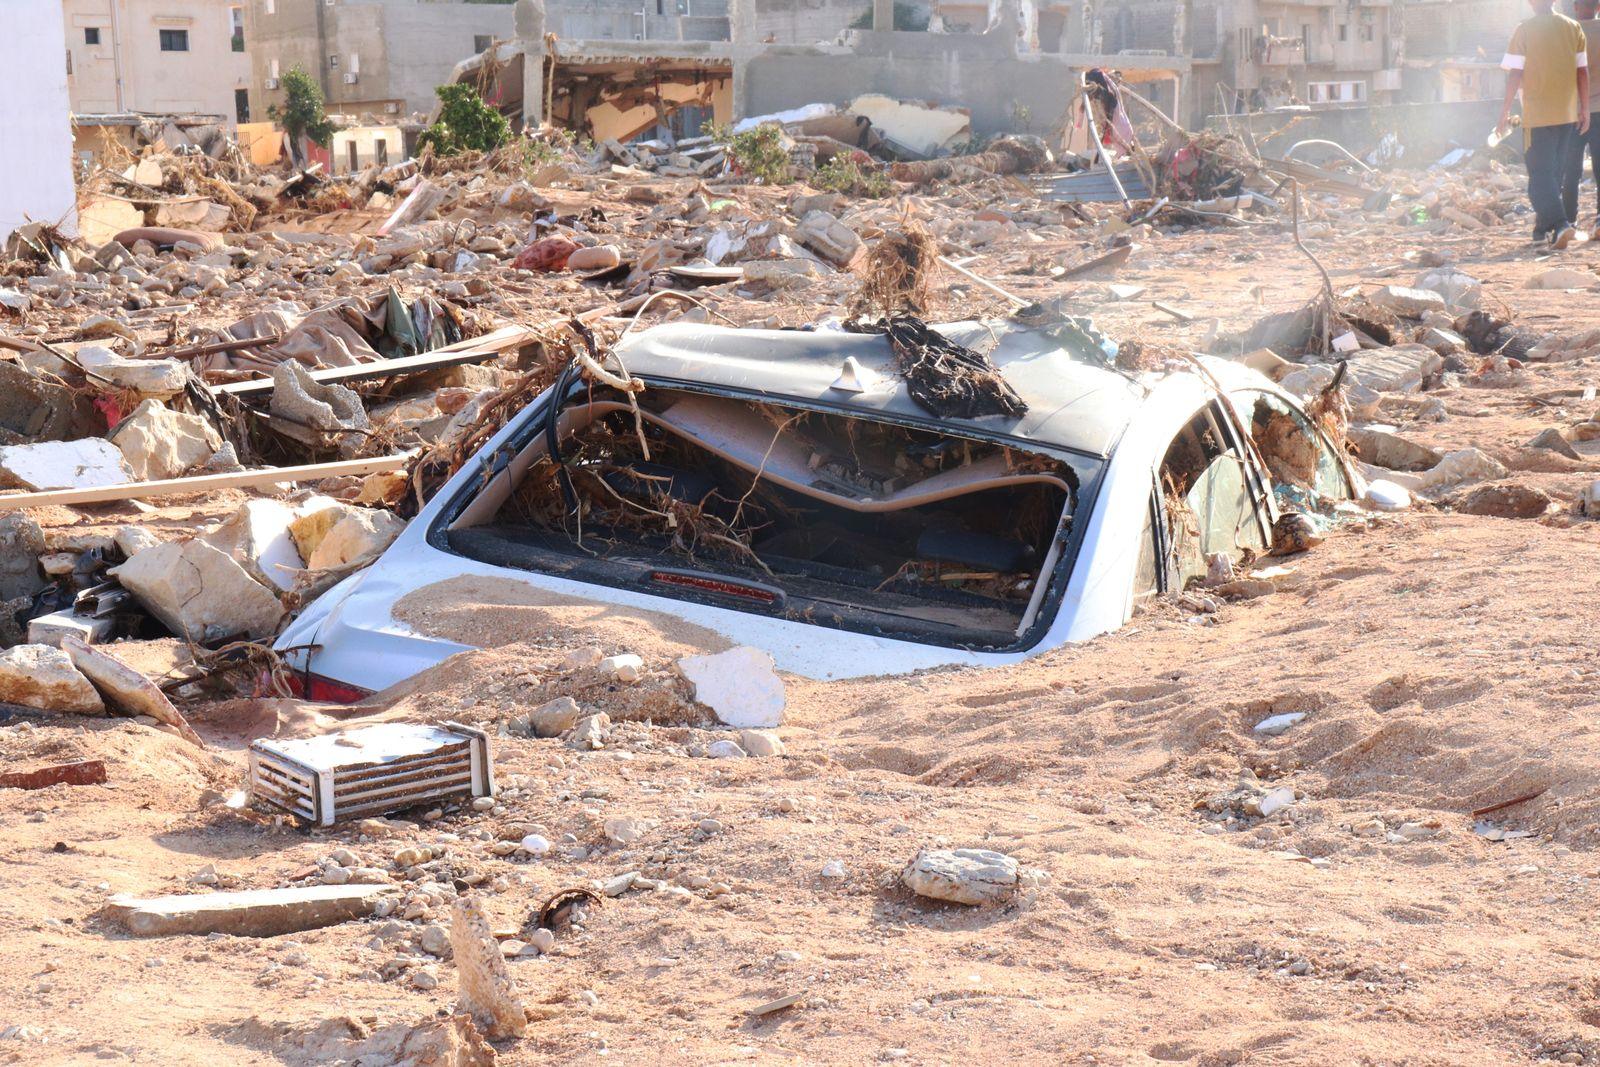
(371, 770)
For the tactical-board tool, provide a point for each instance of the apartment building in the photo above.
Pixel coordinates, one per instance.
(1453, 48)
(376, 57)
(162, 56)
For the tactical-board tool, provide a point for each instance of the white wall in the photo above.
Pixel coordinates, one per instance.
(35, 125)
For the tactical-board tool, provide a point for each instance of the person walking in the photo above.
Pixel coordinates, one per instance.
(1548, 63)
(1585, 11)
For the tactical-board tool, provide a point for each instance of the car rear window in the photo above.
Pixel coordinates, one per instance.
(833, 519)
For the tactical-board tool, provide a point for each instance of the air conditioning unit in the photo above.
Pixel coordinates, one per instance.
(351, 78)
(270, 83)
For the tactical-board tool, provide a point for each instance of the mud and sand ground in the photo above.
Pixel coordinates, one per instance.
(1444, 663)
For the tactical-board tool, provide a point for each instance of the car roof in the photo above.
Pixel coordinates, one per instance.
(1075, 401)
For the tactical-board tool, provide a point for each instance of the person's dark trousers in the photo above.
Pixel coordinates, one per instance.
(1574, 173)
(1548, 160)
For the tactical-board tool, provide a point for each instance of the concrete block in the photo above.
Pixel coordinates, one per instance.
(199, 592)
(82, 464)
(252, 913)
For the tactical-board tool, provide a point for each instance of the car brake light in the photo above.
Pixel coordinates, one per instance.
(325, 690)
(719, 586)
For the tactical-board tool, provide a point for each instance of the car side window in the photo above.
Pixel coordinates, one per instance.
(1294, 450)
(1207, 498)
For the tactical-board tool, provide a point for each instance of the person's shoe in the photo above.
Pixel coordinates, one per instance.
(1564, 237)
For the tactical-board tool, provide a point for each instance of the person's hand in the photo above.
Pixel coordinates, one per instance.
(1583, 123)
(1503, 127)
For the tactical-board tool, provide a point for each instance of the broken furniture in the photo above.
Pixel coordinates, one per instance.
(371, 770)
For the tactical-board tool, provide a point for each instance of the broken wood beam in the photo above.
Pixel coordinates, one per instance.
(106, 494)
(78, 772)
(252, 913)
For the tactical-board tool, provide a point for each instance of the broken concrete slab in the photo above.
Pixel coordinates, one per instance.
(127, 690)
(200, 593)
(360, 535)
(257, 537)
(973, 876)
(21, 544)
(1399, 369)
(313, 518)
(159, 443)
(81, 464)
(1412, 303)
(830, 238)
(1463, 465)
(52, 628)
(922, 128)
(782, 273)
(1391, 451)
(252, 913)
(38, 676)
(110, 373)
(32, 410)
(1553, 440)
(741, 686)
(1561, 278)
(305, 403)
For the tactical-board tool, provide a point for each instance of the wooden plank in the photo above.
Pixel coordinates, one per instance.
(105, 494)
(471, 350)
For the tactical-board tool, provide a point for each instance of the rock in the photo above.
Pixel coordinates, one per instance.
(590, 732)
(1458, 289)
(1384, 495)
(1464, 465)
(312, 521)
(542, 939)
(21, 545)
(199, 592)
(125, 689)
(545, 255)
(626, 830)
(834, 871)
(1560, 278)
(159, 443)
(548, 720)
(254, 913)
(830, 239)
(962, 876)
(1443, 342)
(257, 538)
(1271, 802)
(600, 257)
(359, 536)
(624, 668)
(535, 844)
(1391, 451)
(725, 749)
(1554, 441)
(579, 658)
(1412, 303)
(110, 373)
(38, 676)
(1274, 725)
(486, 990)
(1589, 500)
(131, 540)
(1401, 369)
(308, 405)
(782, 273)
(761, 743)
(741, 686)
(1505, 501)
(82, 464)
(435, 940)
(424, 980)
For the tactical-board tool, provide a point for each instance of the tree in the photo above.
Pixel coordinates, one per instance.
(465, 123)
(302, 114)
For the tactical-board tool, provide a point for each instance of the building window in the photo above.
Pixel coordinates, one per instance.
(1344, 31)
(350, 154)
(272, 7)
(174, 40)
(91, 35)
(1352, 92)
(481, 42)
(241, 105)
(355, 63)
(236, 22)
(69, 62)
(380, 149)
(272, 69)
(333, 61)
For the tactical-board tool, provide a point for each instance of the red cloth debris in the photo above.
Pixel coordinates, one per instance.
(547, 254)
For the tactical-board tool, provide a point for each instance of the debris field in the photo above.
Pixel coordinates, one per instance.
(1335, 802)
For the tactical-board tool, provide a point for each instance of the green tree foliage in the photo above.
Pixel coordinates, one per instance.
(302, 114)
(760, 153)
(465, 123)
(841, 174)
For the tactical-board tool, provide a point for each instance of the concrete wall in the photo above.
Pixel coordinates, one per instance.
(980, 72)
(401, 49)
(365, 140)
(808, 21)
(202, 79)
(627, 20)
(1428, 131)
(1462, 27)
(35, 124)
